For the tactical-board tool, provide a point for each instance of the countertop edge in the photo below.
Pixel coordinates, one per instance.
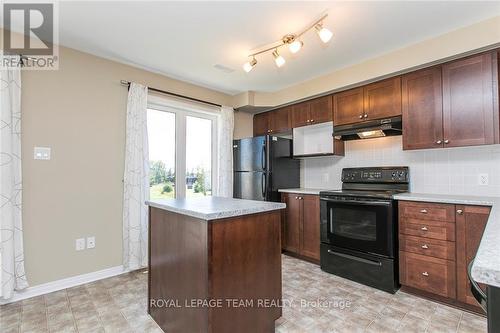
(218, 215)
(313, 191)
(486, 267)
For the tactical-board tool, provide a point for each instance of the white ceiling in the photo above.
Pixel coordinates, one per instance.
(186, 39)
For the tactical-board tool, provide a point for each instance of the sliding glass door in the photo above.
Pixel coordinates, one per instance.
(182, 152)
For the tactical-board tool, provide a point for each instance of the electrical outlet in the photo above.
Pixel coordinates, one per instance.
(90, 242)
(80, 244)
(41, 153)
(483, 179)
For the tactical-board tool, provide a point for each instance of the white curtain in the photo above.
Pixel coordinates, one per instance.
(11, 251)
(225, 146)
(136, 180)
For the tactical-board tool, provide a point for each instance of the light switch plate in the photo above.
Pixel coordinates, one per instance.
(80, 244)
(41, 153)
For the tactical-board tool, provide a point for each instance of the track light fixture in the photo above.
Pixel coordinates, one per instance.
(292, 41)
(249, 65)
(279, 60)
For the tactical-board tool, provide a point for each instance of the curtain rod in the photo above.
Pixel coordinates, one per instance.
(127, 83)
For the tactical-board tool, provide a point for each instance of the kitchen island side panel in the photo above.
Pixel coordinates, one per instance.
(245, 264)
(178, 271)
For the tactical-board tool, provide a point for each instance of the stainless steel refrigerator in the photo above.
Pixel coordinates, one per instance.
(262, 165)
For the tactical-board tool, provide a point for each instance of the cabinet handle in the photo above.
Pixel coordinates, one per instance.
(366, 116)
(423, 211)
(438, 142)
(425, 274)
(460, 212)
(425, 246)
(300, 198)
(360, 116)
(312, 120)
(296, 198)
(446, 141)
(424, 228)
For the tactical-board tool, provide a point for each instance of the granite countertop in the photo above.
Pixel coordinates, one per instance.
(213, 208)
(486, 267)
(301, 190)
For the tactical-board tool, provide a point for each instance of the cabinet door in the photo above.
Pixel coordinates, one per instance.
(280, 120)
(292, 220)
(468, 112)
(309, 243)
(348, 107)
(422, 109)
(382, 99)
(261, 124)
(471, 221)
(321, 110)
(300, 114)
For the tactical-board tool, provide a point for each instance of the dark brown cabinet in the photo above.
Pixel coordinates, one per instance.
(348, 107)
(436, 243)
(300, 225)
(316, 111)
(422, 109)
(374, 101)
(272, 122)
(382, 99)
(452, 105)
(469, 118)
(261, 124)
(471, 221)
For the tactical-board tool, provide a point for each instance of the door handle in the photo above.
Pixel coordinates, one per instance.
(348, 256)
(264, 185)
(264, 154)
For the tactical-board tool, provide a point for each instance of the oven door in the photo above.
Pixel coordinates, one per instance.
(360, 224)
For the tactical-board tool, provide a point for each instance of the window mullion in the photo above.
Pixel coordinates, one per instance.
(180, 159)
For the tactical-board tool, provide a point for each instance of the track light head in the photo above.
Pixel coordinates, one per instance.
(279, 60)
(295, 46)
(249, 65)
(324, 34)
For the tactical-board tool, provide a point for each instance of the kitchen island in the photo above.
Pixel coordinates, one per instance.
(214, 264)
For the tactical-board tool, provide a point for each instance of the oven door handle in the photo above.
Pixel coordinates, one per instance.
(348, 256)
(360, 202)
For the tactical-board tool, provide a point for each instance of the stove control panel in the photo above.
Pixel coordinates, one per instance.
(376, 175)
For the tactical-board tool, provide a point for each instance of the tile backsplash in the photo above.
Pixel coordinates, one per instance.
(440, 171)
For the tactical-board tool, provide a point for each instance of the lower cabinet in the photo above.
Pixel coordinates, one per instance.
(300, 225)
(435, 247)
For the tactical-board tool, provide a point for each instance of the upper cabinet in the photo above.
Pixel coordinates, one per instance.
(316, 111)
(422, 109)
(374, 101)
(468, 101)
(272, 122)
(452, 105)
(348, 106)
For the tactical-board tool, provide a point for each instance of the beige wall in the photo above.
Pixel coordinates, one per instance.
(476, 36)
(243, 125)
(79, 111)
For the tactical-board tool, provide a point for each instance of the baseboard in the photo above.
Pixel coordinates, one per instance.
(73, 281)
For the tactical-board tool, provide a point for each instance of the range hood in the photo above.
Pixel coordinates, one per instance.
(369, 129)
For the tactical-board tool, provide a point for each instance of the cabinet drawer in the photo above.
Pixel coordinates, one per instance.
(428, 247)
(427, 211)
(427, 228)
(427, 273)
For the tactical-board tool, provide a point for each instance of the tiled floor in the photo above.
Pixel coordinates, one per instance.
(316, 302)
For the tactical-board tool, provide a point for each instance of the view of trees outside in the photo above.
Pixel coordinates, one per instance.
(161, 135)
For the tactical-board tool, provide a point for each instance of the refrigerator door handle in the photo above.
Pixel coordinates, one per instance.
(264, 185)
(264, 164)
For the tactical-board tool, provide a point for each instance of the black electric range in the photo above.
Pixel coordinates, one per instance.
(359, 226)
